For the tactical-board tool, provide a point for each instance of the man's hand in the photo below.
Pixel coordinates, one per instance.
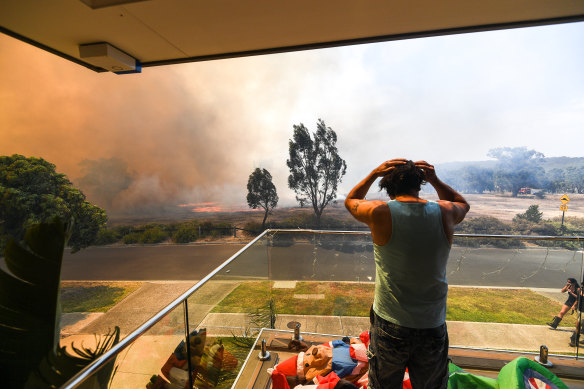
(429, 172)
(388, 166)
(454, 207)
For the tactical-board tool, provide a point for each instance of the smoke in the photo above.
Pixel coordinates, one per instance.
(105, 180)
(152, 141)
(192, 133)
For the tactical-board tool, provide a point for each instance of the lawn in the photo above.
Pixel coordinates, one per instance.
(518, 306)
(94, 296)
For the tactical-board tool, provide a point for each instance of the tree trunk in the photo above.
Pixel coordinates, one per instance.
(264, 221)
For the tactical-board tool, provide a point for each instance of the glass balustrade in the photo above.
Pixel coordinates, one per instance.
(503, 291)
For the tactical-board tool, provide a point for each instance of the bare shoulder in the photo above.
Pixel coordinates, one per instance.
(366, 210)
(453, 211)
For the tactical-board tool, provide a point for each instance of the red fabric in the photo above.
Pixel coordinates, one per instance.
(279, 380)
(288, 367)
(328, 382)
(365, 338)
(407, 383)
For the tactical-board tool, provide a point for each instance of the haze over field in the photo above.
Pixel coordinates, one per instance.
(191, 134)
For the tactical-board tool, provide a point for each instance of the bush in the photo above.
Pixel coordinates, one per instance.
(547, 228)
(486, 225)
(531, 215)
(122, 230)
(131, 238)
(207, 228)
(253, 228)
(106, 236)
(185, 234)
(308, 220)
(153, 235)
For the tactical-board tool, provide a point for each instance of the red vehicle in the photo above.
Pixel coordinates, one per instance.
(525, 191)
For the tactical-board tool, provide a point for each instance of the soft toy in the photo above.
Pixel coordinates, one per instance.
(346, 359)
(317, 360)
(520, 373)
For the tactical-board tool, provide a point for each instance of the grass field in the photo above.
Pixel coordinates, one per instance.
(94, 296)
(516, 306)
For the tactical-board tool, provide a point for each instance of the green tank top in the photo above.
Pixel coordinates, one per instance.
(410, 279)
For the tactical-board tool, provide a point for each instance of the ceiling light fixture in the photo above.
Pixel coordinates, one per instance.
(109, 57)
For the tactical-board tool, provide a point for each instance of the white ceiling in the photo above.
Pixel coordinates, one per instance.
(158, 32)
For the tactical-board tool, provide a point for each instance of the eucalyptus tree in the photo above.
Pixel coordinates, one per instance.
(315, 166)
(261, 192)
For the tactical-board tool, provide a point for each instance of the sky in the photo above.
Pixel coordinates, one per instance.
(193, 133)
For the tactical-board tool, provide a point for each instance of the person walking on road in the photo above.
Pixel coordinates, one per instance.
(411, 240)
(571, 287)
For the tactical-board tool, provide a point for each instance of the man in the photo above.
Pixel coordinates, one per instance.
(411, 241)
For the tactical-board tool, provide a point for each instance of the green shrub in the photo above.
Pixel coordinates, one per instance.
(131, 238)
(153, 235)
(106, 236)
(123, 230)
(531, 215)
(185, 234)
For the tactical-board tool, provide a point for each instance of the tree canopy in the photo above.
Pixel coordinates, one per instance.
(32, 192)
(531, 215)
(518, 167)
(261, 192)
(315, 166)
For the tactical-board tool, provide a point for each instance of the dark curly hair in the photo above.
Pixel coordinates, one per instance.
(402, 179)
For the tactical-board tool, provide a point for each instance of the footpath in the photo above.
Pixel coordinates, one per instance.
(148, 353)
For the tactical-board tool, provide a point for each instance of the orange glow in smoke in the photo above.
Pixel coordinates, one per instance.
(214, 207)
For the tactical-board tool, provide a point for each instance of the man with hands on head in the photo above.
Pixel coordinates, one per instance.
(411, 242)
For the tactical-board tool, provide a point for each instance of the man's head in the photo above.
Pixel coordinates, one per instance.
(403, 179)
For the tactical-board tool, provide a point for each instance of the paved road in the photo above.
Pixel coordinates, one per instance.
(156, 262)
(530, 267)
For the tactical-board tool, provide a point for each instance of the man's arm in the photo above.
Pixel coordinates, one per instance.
(453, 206)
(454, 203)
(373, 213)
(356, 204)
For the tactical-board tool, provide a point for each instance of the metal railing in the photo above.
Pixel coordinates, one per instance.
(94, 367)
